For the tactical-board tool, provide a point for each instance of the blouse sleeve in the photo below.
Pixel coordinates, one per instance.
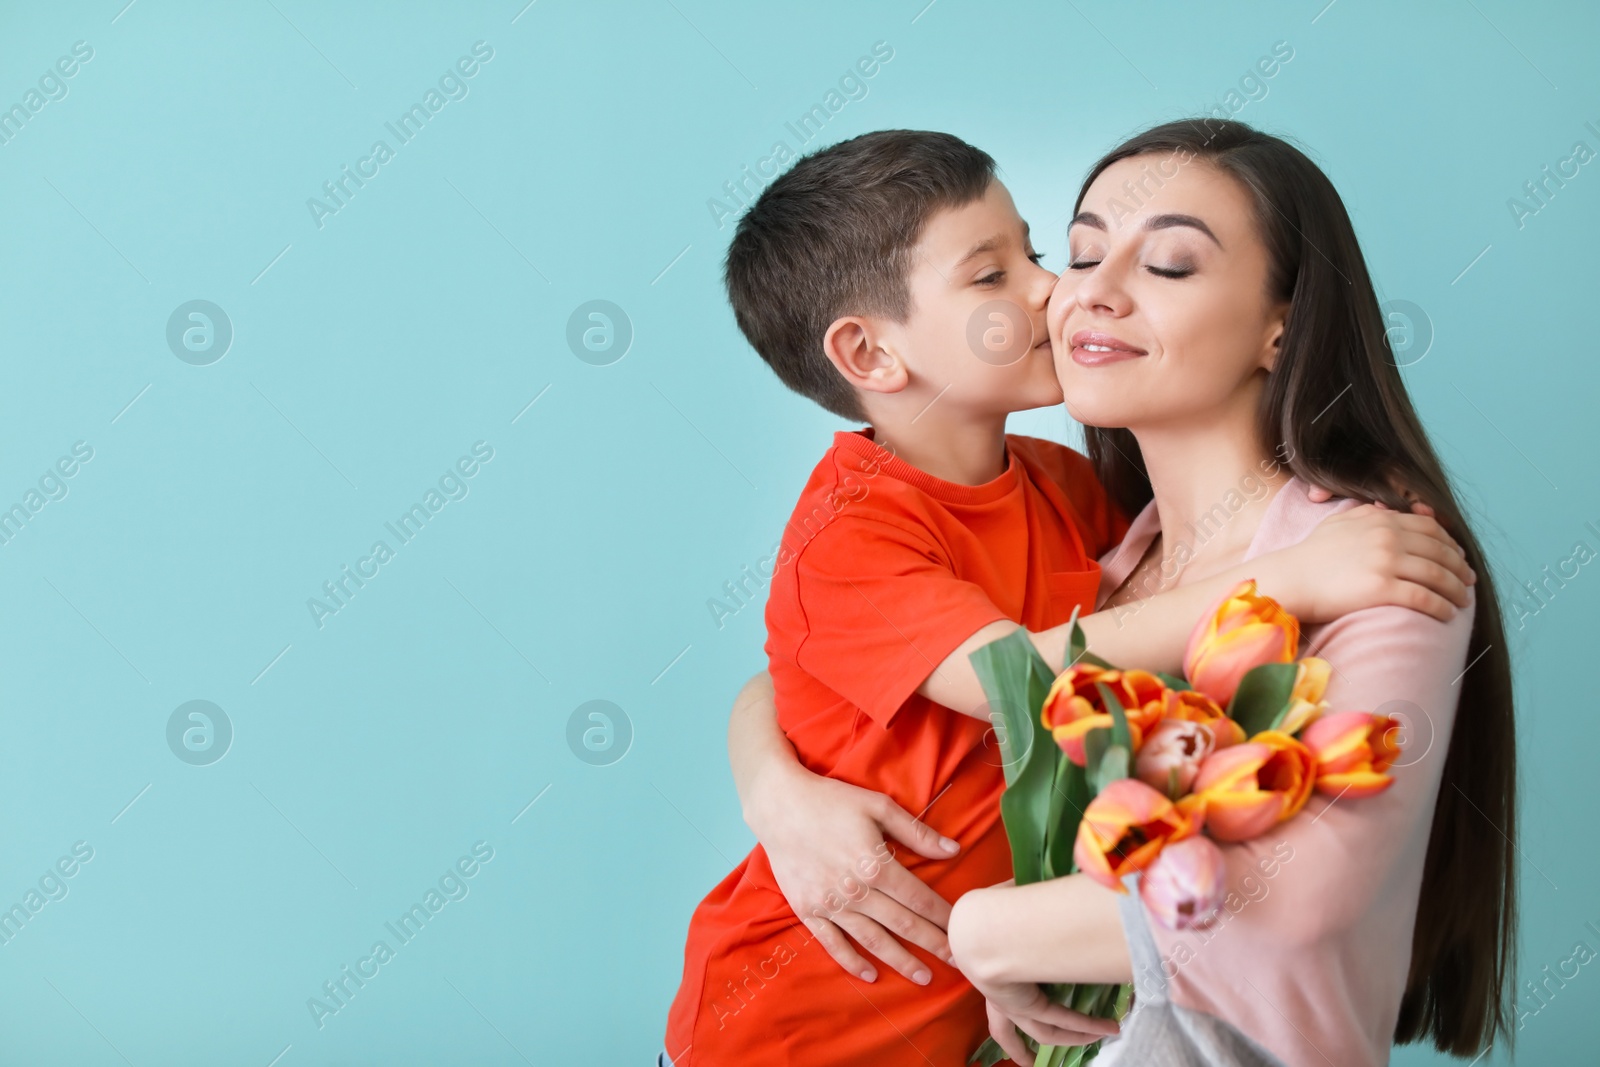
(1320, 909)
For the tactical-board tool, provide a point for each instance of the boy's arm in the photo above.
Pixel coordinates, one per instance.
(1362, 558)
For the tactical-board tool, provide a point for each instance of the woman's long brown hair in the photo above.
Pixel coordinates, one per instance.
(1460, 989)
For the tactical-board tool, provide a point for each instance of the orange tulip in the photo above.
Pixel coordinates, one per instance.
(1305, 702)
(1197, 707)
(1352, 750)
(1074, 705)
(1125, 827)
(1243, 631)
(1249, 788)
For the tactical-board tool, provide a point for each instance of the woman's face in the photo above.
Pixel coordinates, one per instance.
(1162, 315)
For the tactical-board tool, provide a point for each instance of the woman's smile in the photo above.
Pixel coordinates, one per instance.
(1091, 348)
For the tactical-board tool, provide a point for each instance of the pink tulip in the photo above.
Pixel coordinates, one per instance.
(1244, 630)
(1184, 887)
(1174, 745)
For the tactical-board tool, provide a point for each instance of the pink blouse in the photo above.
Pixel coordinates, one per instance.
(1311, 952)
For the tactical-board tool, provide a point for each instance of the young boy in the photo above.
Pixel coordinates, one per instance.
(890, 279)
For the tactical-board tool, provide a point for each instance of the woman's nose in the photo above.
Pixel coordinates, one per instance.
(1100, 290)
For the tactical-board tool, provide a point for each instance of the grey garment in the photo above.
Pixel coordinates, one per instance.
(1159, 1033)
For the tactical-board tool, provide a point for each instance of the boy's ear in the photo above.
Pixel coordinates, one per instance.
(854, 345)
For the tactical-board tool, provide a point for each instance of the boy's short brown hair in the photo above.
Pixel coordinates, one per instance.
(833, 236)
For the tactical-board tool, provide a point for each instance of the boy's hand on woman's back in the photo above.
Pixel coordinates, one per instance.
(826, 842)
(1366, 557)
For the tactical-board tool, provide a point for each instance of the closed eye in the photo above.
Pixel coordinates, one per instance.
(1160, 272)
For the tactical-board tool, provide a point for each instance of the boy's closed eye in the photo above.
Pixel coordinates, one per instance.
(997, 276)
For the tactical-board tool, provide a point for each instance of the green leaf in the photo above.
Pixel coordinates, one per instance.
(1262, 696)
(1051, 851)
(1103, 1001)
(1095, 743)
(1078, 648)
(1120, 734)
(1119, 1008)
(988, 1054)
(1004, 669)
(1173, 682)
(1113, 765)
(1077, 644)
(1016, 679)
(1069, 796)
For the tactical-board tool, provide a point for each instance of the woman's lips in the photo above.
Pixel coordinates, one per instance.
(1091, 348)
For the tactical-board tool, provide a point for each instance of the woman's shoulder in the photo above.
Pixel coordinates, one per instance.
(1387, 633)
(1292, 516)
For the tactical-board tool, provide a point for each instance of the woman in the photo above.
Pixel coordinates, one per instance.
(1215, 318)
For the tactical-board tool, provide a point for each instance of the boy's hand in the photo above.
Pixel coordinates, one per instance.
(1367, 557)
(826, 843)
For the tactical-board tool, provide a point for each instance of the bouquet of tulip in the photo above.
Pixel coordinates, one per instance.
(1111, 771)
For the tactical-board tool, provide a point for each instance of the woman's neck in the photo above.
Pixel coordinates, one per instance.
(1212, 485)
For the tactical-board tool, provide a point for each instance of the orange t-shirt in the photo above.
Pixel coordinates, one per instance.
(882, 572)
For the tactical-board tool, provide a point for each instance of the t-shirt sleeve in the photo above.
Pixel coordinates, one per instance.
(881, 608)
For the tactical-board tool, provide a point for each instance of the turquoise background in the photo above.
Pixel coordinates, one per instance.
(370, 353)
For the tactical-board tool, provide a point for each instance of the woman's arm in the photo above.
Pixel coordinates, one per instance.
(1063, 930)
(826, 843)
(1319, 909)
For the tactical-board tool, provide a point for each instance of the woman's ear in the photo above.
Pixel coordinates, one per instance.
(1275, 327)
(856, 347)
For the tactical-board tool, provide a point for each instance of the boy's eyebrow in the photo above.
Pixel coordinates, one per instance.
(1154, 222)
(989, 244)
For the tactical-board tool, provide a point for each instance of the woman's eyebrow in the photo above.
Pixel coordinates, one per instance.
(1154, 222)
(1165, 222)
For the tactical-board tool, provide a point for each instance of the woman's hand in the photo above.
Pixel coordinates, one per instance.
(1367, 557)
(826, 842)
(1023, 1006)
(986, 925)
